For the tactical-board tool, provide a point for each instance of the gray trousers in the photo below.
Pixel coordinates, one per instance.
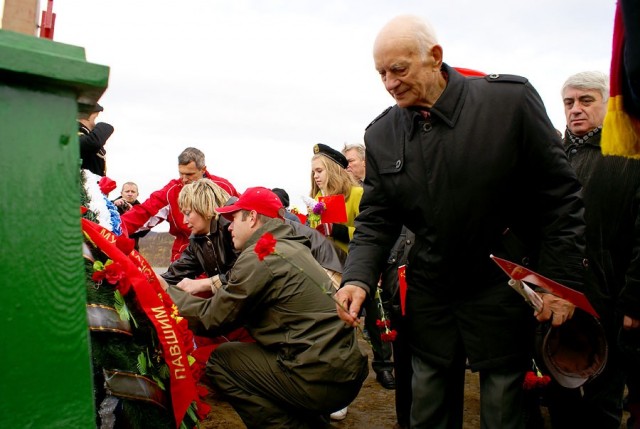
(266, 395)
(438, 396)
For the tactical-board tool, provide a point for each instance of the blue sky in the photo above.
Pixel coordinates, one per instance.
(256, 83)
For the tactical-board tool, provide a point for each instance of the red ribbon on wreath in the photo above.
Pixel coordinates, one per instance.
(153, 300)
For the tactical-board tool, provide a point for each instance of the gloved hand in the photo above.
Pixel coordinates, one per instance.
(340, 232)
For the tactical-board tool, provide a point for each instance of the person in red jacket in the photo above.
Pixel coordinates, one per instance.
(163, 204)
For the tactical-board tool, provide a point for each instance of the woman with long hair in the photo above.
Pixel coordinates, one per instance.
(330, 177)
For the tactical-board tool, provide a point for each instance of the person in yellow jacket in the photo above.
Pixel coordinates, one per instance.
(330, 177)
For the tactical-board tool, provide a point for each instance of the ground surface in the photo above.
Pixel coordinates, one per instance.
(372, 409)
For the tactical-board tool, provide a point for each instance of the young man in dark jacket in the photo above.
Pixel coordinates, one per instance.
(305, 362)
(459, 161)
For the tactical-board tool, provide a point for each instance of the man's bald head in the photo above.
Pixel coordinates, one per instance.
(410, 29)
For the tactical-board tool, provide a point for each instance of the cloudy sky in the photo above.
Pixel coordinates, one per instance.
(256, 83)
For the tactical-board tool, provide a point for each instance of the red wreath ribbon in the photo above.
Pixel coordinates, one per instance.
(153, 300)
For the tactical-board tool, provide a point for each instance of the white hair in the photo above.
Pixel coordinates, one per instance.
(588, 80)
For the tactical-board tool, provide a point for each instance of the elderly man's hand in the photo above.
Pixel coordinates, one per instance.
(350, 299)
(630, 323)
(556, 309)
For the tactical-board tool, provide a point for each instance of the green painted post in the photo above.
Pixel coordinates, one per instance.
(45, 366)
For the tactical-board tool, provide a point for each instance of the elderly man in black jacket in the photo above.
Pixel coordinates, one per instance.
(460, 161)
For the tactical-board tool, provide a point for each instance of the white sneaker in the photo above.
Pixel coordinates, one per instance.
(340, 414)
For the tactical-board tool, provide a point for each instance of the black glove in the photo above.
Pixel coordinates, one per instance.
(340, 232)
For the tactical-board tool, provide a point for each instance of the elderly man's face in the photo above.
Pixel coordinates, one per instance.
(584, 110)
(356, 165)
(410, 79)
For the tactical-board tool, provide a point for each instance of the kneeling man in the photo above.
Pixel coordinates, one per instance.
(305, 362)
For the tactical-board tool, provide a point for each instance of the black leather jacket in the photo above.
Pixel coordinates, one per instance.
(212, 254)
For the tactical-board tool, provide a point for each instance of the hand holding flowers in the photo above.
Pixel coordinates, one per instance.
(384, 324)
(535, 379)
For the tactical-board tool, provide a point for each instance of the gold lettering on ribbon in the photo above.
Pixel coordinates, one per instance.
(108, 236)
(160, 313)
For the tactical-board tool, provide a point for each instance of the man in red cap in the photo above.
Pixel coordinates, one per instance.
(305, 363)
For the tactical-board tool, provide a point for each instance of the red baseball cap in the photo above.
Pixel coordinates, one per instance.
(260, 199)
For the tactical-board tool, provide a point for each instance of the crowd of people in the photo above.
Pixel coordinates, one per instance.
(461, 167)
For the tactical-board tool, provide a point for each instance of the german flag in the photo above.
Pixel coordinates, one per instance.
(621, 129)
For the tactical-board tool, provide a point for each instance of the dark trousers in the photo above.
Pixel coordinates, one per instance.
(381, 350)
(438, 396)
(266, 395)
(629, 343)
(402, 368)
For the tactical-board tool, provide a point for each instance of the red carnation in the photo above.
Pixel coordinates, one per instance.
(114, 272)
(534, 381)
(383, 324)
(106, 185)
(389, 336)
(265, 246)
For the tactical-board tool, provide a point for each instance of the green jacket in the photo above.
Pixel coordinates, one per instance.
(282, 302)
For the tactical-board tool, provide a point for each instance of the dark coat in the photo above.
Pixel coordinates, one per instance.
(322, 249)
(612, 213)
(92, 149)
(486, 160)
(212, 254)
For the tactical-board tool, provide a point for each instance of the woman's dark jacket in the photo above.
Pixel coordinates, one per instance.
(485, 161)
(212, 254)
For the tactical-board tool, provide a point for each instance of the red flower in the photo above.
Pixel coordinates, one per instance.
(383, 324)
(106, 185)
(534, 381)
(265, 246)
(389, 336)
(113, 273)
(203, 410)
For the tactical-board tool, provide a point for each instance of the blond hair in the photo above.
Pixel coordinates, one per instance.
(339, 181)
(202, 196)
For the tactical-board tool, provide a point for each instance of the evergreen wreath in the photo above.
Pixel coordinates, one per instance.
(131, 377)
